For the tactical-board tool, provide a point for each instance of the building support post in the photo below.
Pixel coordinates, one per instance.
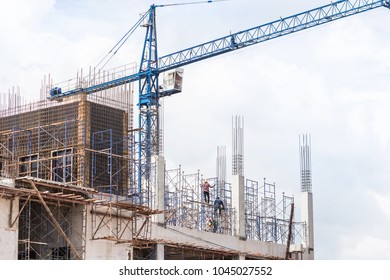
(238, 204)
(160, 251)
(307, 217)
(160, 189)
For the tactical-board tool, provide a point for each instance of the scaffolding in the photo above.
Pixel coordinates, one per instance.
(80, 141)
(267, 219)
(67, 141)
(185, 207)
(53, 150)
(46, 230)
(52, 219)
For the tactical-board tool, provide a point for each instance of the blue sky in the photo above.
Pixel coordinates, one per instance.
(330, 82)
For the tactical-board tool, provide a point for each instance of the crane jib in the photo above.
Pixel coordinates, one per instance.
(268, 31)
(241, 39)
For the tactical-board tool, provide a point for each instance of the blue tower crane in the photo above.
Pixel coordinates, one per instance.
(151, 66)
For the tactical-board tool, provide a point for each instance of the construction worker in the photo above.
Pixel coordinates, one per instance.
(210, 225)
(218, 206)
(206, 191)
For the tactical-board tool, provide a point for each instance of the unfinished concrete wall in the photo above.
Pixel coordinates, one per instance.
(77, 237)
(8, 235)
(102, 229)
(217, 241)
(105, 250)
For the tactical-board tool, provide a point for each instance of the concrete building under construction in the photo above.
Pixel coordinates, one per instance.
(78, 180)
(69, 190)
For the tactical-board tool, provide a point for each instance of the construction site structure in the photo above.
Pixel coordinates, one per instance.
(67, 191)
(79, 181)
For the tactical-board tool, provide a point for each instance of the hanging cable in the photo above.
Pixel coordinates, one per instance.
(103, 62)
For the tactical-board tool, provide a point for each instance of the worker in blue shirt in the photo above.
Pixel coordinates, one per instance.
(218, 206)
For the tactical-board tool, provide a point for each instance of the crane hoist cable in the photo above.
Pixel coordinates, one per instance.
(125, 37)
(113, 51)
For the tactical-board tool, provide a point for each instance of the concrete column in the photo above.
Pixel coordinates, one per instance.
(238, 204)
(9, 228)
(130, 253)
(159, 251)
(160, 189)
(307, 216)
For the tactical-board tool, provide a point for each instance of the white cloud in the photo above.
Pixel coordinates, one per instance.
(15, 14)
(383, 201)
(365, 248)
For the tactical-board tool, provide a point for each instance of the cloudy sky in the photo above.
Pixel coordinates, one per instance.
(330, 82)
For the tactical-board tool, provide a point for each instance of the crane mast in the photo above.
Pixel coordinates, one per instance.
(148, 137)
(151, 66)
